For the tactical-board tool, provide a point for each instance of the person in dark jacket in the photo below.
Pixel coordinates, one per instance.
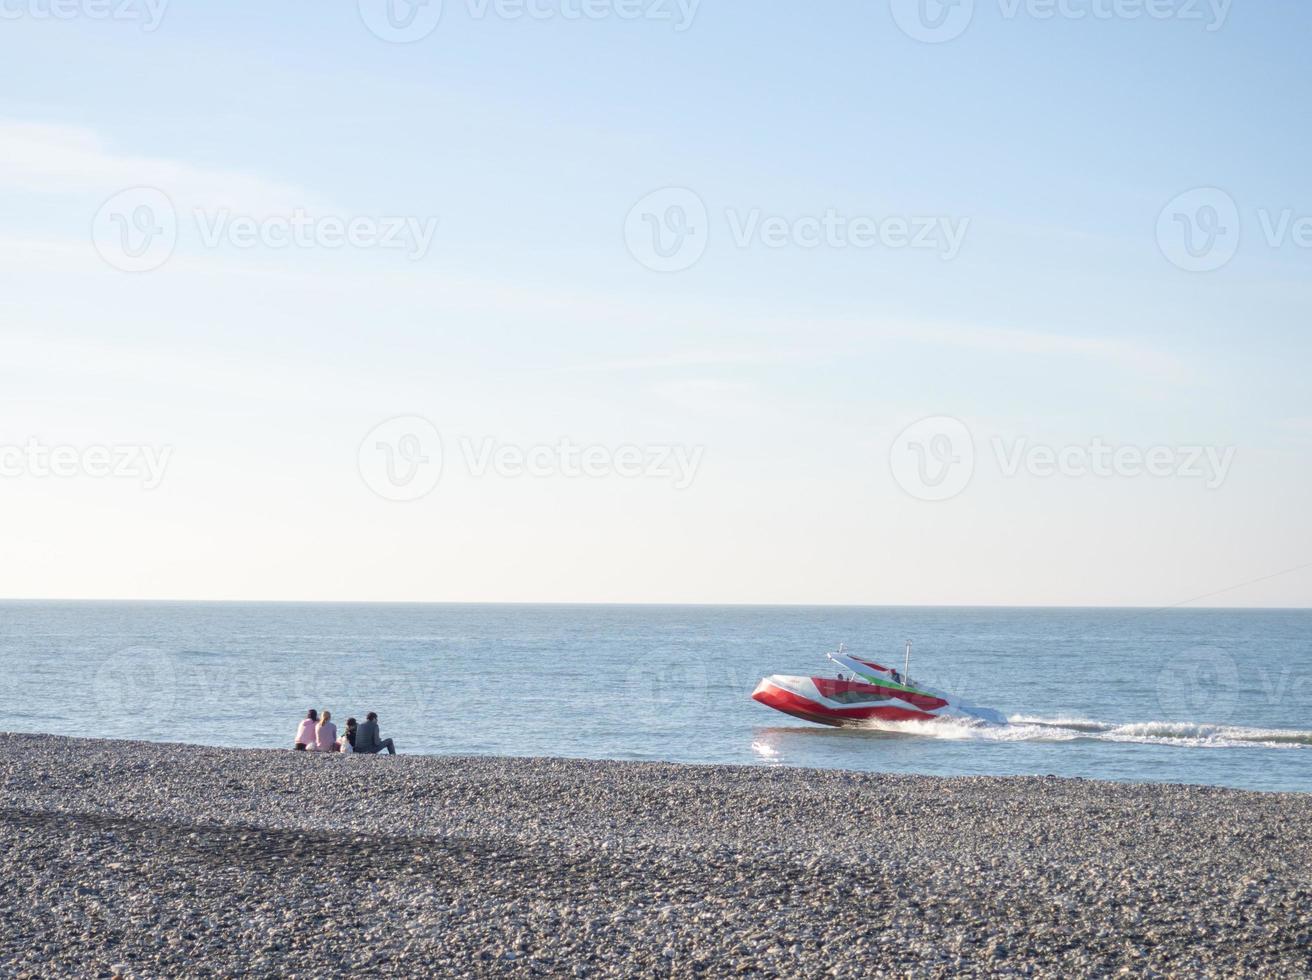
(367, 740)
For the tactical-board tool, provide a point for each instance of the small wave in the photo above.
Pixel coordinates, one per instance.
(1074, 724)
(1210, 735)
(942, 728)
(1177, 732)
(1028, 728)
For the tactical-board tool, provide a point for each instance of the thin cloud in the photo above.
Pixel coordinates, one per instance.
(48, 158)
(715, 396)
(1129, 354)
(683, 359)
(840, 338)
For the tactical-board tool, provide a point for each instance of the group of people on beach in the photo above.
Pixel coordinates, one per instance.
(318, 733)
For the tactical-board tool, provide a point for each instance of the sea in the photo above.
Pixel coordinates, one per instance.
(1210, 696)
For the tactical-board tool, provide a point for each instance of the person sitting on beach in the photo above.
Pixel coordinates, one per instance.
(325, 735)
(305, 734)
(367, 740)
(347, 742)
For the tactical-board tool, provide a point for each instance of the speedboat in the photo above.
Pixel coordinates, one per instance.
(872, 692)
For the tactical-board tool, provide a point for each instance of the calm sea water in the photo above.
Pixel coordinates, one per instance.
(1201, 696)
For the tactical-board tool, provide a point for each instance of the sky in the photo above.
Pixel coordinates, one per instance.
(893, 302)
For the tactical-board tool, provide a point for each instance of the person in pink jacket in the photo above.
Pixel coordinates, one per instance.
(305, 737)
(325, 733)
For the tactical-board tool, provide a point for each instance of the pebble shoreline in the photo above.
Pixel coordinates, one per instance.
(141, 860)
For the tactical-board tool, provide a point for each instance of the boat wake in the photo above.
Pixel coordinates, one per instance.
(1027, 728)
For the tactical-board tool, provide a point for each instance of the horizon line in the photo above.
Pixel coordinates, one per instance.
(644, 603)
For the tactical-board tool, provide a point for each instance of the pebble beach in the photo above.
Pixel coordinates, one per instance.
(140, 860)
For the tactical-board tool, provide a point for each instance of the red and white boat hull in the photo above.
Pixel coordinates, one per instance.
(830, 701)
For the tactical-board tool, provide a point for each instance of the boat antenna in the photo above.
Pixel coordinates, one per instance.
(906, 667)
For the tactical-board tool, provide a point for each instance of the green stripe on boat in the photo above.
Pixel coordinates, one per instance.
(876, 678)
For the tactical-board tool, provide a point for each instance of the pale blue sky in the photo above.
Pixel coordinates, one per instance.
(792, 370)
